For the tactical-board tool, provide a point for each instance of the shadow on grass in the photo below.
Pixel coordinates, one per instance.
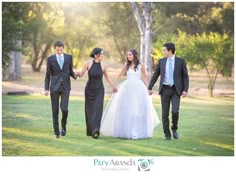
(206, 129)
(22, 142)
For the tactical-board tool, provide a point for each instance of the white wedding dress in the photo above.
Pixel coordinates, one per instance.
(130, 113)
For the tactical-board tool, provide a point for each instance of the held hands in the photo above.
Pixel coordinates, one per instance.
(78, 74)
(150, 92)
(184, 93)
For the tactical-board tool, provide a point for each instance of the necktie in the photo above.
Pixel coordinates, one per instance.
(60, 61)
(171, 81)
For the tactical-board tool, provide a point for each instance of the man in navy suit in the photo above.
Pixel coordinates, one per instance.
(57, 80)
(174, 83)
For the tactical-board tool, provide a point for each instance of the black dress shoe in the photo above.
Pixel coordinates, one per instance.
(167, 138)
(57, 136)
(175, 135)
(63, 132)
(95, 135)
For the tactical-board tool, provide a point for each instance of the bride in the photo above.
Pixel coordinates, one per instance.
(130, 113)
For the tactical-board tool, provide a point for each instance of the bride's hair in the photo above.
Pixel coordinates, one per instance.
(136, 60)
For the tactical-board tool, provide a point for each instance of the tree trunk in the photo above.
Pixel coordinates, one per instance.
(142, 47)
(44, 55)
(144, 22)
(14, 72)
(18, 55)
(141, 26)
(37, 58)
(211, 80)
(148, 37)
(148, 58)
(36, 53)
(81, 48)
(122, 56)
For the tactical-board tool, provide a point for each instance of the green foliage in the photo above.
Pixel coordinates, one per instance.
(122, 27)
(112, 26)
(213, 52)
(38, 35)
(196, 17)
(198, 49)
(158, 45)
(12, 23)
(207, 50)
(80, 41)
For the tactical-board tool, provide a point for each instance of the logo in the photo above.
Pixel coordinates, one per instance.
(124, 164)
(144, 164)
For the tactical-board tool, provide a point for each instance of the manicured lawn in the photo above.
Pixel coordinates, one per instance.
(206, 128)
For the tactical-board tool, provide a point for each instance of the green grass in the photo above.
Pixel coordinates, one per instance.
(206, 128)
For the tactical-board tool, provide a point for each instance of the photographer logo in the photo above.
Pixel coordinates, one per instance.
(145, 164)
(141, 165)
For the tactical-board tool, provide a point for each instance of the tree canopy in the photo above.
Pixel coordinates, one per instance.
(110, 25)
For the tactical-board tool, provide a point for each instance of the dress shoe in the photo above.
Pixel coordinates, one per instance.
(57, 136)
(175, 135)
(167, 138)
(95, 136)
(63, 132)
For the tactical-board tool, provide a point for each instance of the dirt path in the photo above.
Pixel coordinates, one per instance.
(33, 83)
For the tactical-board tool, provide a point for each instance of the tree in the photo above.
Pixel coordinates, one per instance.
(85, 33)
(144, 21)
(12, 28)
(200, 34)
(192, 17)
(119, 19)
(213, 52)
(38, 35)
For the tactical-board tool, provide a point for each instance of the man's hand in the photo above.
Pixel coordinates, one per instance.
(46, 93)
(184, 93)
(150, 92)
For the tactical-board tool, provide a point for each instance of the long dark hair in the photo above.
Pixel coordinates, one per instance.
(95, 51)
(136, 59)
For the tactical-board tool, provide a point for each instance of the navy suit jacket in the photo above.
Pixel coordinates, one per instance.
(55, 76)
(181, 78)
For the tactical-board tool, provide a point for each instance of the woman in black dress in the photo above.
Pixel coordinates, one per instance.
(94, 91)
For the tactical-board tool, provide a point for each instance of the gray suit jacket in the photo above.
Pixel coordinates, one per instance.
(181, 78)
(55, 76)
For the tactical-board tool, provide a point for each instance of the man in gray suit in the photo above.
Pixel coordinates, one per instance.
(174, 83)
(58, 72)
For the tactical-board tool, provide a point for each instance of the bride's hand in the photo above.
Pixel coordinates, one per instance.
(115, 90)
(150, 92)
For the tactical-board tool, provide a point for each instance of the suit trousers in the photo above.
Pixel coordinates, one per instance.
(169, 95)
(55, 97)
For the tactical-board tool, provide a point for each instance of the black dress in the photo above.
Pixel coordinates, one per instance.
(94, 97)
